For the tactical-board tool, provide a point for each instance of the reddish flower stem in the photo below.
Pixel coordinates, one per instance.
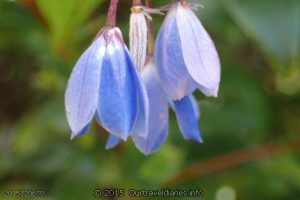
(112, 13)
(233, 159)
(136, 2)
(151, 38)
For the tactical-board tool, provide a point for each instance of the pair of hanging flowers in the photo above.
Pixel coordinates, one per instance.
(130, 91)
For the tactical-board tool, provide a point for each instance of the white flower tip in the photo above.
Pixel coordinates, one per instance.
(196, 139)
(212, 93)
(146, 151)
(108, 147)
(215, 94)
(123, 137)
(73, 135)
(200, 141)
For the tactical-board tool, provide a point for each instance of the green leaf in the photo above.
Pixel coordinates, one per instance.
(64, 17)
(274, 25)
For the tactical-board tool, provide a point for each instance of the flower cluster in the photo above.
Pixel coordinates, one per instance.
(130, 92)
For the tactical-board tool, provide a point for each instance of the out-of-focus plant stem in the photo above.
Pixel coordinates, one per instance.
(151, 39)
(233, 159)
(112, 12)
(136, 2)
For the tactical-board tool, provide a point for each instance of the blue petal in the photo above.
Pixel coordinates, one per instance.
(121, 105)
(82, 90)
(172, 71)
(82, 132)
(158, 114)
(142, 119)
(112, 141)
(117, 95)
(187, 114)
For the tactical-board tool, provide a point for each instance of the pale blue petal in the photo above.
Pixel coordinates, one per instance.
(199, 52)
(158, 115)
(171, 68)
(82, 132)
(82, 90)
(142, 119)
(187, 114)
(112, 141)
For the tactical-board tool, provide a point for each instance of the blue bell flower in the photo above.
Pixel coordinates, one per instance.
(158, 112)
(106, 82)
(186, 110)
(185, 55)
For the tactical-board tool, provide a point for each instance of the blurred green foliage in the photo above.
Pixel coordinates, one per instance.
(258, 42)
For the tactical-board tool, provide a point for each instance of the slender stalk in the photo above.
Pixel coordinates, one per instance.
(136, 2)
(233, 159)
(112, 13)
(151, 38)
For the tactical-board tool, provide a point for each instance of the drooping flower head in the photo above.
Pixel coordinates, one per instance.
(131, 98)
(106, 82)
(186, 110)
(185, 55)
